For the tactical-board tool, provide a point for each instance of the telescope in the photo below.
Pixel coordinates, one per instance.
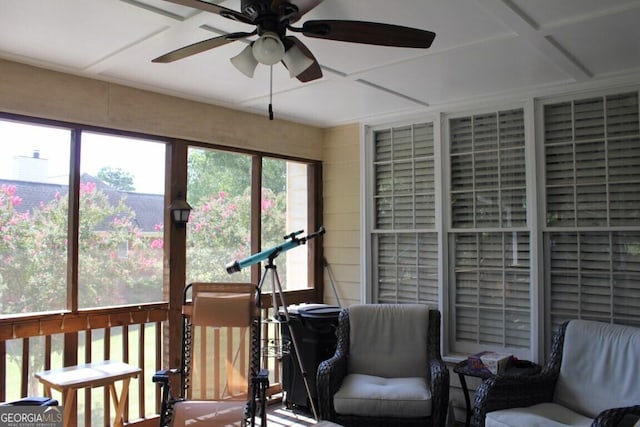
(291, 241)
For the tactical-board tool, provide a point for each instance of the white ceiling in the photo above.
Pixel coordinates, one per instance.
(483, 48)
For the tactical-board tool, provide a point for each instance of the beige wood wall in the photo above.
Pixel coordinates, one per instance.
(48, 94)
(341, 199)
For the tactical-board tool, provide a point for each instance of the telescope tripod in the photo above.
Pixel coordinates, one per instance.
(271, 271)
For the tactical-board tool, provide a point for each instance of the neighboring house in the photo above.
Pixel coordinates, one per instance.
(148, 208)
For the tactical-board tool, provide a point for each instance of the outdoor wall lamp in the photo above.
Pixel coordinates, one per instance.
(180, 211)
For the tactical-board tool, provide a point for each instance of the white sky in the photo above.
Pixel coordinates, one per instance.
(142, 159)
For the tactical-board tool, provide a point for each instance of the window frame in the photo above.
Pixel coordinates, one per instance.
(546, 230)
(175, 181)
(452, 349)
(368, 229)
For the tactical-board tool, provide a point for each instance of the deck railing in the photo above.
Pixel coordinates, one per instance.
(131, 334)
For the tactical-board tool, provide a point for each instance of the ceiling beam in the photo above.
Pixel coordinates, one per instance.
(523, 25)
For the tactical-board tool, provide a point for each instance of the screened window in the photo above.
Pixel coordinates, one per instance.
(283, 209)
(220, 227)
(121, 220)
(404, 241)
(592, 184)
(120, 227)
(489, 243)
(34, 201)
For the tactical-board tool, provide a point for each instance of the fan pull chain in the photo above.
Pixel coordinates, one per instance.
(270, 92)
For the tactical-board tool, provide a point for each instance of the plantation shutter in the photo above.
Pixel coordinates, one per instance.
(488, 238)
(404, 240)
(592, 188)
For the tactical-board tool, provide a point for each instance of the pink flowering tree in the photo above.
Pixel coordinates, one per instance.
(33, 259)
(219, 232)
(117, 264)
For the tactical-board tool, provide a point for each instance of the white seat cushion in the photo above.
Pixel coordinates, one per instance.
(388, 340)
(599, 361)
(369, 395)
(541, 415)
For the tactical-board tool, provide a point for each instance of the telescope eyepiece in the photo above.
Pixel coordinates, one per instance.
(233, 267)
(292, 235)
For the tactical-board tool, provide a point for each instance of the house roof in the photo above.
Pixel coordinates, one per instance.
(148, 208)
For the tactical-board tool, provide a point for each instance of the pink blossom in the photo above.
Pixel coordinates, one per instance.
(16, 200)
(87, 187)
(222, 195)
(158, 227)
(157, 244)
(266, 204)
(9, 189)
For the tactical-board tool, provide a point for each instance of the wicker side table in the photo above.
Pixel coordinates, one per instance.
(519, 367)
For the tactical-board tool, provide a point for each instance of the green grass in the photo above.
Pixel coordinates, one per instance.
(36, 348)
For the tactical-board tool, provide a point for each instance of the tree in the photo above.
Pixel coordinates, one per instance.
(220, 224)
(117, 178)
(33, 258)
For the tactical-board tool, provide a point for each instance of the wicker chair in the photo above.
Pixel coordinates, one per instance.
(590, 380)
(387, 369)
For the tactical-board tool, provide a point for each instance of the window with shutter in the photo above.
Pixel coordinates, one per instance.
(404, 241)
(489, 267)
(592, 191)
(584, 199)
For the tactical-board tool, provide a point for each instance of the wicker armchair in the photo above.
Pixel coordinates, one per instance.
(592, 367)
(385, 352)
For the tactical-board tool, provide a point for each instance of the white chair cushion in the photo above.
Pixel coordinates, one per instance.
(388, 340)
(541, 415)
(599, 365)
(385, 397)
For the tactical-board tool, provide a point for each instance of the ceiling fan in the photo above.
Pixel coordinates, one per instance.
(274, 18)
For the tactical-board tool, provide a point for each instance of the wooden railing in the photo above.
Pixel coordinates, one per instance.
(36, 342)
(131, 334)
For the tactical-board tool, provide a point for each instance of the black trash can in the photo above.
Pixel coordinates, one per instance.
(314, 329)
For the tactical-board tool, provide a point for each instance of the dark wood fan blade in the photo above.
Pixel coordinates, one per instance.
(303, 6)
(210, 7)
(199, 47)
(314, 71)
(368, 33)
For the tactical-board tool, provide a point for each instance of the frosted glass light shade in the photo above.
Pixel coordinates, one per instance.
(245, 62)
(268, 49)
(296, 61)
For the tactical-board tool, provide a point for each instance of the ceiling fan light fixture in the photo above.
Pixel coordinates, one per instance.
(268, 49)
(245, 62)
(296, 61)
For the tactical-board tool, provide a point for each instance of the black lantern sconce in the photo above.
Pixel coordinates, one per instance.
(180, 211)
